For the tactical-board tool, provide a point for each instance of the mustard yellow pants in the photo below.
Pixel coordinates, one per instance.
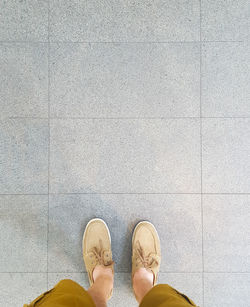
(68, 293)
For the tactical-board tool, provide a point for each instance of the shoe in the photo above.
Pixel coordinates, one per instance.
(146, 251)
(96, 247)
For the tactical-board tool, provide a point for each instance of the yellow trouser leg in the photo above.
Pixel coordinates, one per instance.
(165, 296)
(66, 293)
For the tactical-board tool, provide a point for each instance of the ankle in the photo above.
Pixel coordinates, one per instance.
(103, 280)
(142, 283)
(101, 289)
(101, 271)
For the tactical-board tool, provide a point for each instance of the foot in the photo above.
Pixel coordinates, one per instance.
(146, 257)
(102, 271)
(97, 254)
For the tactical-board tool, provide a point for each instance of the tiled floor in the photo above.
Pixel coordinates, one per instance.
(126, 110)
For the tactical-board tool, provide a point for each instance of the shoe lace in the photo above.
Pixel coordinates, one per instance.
(101, 255)
(147, 261)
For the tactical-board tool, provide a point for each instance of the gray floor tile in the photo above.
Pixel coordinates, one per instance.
(124, 20)
(23, 233)
(18, 289)
(189, 284)
(125, 80)
(177, 218)
(226, 79)
(24, 156)
(226, 159)
(24, 80)
(226, 290)
(24, 20)
(225, 20)
(127, 155)
(122, 287)
(226, 233)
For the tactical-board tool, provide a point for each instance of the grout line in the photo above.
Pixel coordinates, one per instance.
(208, 41)
(125, 42)
(27, 117)
(23, 42)
(225, 117)
(23, 194)
(48, 144)
(118, 42)
(136, 118)
(112, 118)
(147, 193)
(122, 193)
(124, 118)
(226, 272)
(201, 183)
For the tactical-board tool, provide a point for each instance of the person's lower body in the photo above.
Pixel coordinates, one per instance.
(97, 256)
(68, 293)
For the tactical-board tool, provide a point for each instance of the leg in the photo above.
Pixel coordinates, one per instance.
(142, 283)
(98, 261)
(165, 296)
(146, 256)
(102, 286)
(97, 256)
(66, 293)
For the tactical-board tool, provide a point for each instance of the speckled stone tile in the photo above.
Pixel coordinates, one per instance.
(225, 20)
(226, 233)
(226, 79)
(24, 20)
(124, 20)
(18, 289)
(125, 80)
(23, 233)
(23, 156)
(177, 218)
(225, 155)
(24, 80)
(226, 290)
(125, 155)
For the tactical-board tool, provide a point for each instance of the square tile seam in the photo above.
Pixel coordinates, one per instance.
(201, 147)
(123, 118)
(49, 86)
(120, 42)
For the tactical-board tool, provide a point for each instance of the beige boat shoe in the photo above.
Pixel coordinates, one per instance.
(146, 251)
(96, 247)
